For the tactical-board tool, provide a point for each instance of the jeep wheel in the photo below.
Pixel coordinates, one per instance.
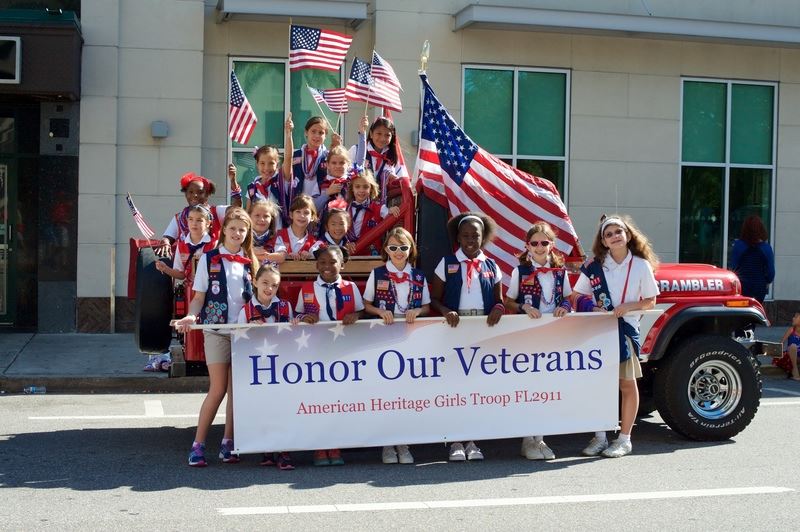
(708, 389)
(153, 307)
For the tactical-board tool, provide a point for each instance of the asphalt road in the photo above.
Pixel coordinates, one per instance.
(117, 462)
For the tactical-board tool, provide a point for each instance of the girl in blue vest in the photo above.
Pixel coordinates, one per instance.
(294, 242)
(365, 209)
(337, 225)
(222, 286)
(329, 298)
(264, 214)
(266, 307)
(381, 154)
(397, 290)
(620, 279)
(539, 285)
(467, 283)
(274, 182)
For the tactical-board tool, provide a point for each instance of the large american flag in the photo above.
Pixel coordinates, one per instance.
(461, 176)
(242, 119)
(382, 70)
(334, 98)
(313, 48)
(363, 87)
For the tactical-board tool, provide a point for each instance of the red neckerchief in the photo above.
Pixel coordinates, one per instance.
(473, 265)
(539, 269)
(309, 160)
(230, 258)
(379, 156)
(399, 278)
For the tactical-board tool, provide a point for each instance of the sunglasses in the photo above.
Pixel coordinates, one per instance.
(393, 248)
(537, 243)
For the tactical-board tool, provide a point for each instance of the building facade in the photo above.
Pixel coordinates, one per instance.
(684, 114)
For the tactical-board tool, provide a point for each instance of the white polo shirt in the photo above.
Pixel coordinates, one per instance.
(471, 298)
(320, 293)
(401, 289)
(234, 278)
(547, 281)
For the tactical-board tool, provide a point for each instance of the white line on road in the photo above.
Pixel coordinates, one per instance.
(121, 416)
(154, 408)
(520, 501)
(781, 403)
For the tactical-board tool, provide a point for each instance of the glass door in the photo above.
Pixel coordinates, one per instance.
(8, 171)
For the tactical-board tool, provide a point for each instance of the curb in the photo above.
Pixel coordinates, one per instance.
(105, 384)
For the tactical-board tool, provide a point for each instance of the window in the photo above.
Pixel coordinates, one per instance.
(272, 93)
(727, 164)
(520, 115)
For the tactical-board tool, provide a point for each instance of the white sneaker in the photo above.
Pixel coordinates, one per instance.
(473, 453)
(404, 455)
(389, 455)
(527, 444)
(618, 449)
(457, 453)
(547, 453)
(595, 447)
(539, 451)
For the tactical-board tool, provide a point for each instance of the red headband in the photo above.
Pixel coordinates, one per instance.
(191, 176)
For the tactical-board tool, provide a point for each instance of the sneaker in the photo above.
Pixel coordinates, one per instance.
(457, 453)
(226, 453)
(618, 449)
(595, 447)
(284, 462)
(389, 455)
(267, 460)
(404, 456)
(335, 457)
(528, 443)
(321, 458)
(547, 452)
(473, 453)
(197, 456)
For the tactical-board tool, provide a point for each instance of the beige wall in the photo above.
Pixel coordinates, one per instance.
(148, 60)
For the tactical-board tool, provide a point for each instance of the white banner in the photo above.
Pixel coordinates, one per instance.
(328, 386)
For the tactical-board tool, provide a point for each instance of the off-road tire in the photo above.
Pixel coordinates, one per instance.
(708, 389)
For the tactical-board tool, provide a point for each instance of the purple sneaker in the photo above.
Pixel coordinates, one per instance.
(197, 456)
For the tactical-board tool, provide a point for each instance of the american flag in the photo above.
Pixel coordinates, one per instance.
(334, 98)
(313, 48)
(143, 226)
(362, 87)
(461, 176)
(242, 119)
(382, 70)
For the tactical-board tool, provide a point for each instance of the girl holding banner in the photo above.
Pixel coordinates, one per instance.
(620, 279)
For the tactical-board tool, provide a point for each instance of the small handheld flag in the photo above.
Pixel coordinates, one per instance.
(141, 223)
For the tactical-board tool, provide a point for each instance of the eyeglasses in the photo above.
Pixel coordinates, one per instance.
(394, 248)
(610, 234)
(537, 243)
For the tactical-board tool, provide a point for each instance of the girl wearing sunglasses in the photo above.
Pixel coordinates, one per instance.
(539, 285)
(396, 290)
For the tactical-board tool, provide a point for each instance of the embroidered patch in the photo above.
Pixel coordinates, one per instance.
(529, 282)
(215, 289)
(453, 268)
(347, 298)
(215, 267)
(308, 298)
(489, 274)
(382, 285)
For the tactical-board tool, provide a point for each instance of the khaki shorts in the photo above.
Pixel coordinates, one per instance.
(629, 370)
(218, 347)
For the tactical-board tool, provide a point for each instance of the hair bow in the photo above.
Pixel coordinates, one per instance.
(191, 176)
(355, 171)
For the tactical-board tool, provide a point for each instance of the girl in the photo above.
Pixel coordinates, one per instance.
(791, 339)
(620, 279)
(309, 163)
(338, 294)
(222, 286)
(381, 156)
(265, 307)
(397, 289)
(337, 224)
(539, 284)
(752, 259)
(364, 209)
(197, 189)
(273, 182)
(264, 215)
(295, 241)
(468, 284)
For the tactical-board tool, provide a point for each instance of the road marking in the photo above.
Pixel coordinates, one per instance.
(153, 408)
(520, 501)
(782, 390)
(122, 416)
(780, 403)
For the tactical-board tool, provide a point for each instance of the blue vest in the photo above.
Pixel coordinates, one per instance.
(216, 309)
(385, 295)
(453, 282)
(593, 269)
(298, 168)
(530, 292)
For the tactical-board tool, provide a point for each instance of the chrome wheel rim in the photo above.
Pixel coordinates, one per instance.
(714, 389)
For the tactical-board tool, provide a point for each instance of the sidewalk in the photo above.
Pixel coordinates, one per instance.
(83, 363)
(110, 363)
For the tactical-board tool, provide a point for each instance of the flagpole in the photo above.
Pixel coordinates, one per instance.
(319, 107)
(423, 62)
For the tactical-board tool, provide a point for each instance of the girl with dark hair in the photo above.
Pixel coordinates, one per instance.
(752, 259)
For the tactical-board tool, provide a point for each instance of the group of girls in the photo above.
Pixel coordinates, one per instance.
(237, 279)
